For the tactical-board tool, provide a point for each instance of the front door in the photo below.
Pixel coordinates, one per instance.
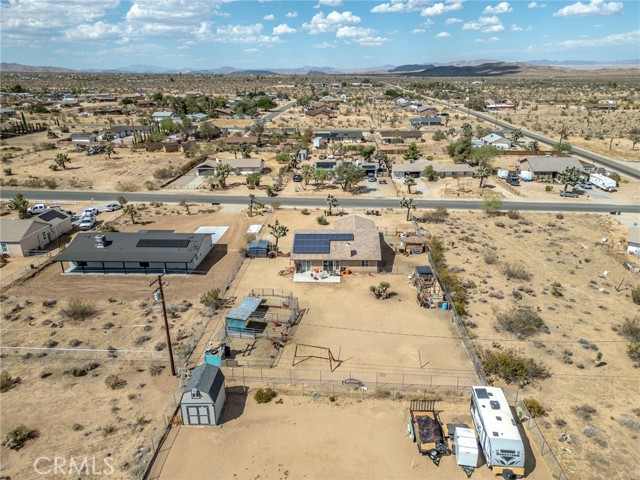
(303, 266)
(198, 415)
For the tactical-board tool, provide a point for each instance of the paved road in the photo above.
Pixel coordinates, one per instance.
(562, 205)
(270, 116)
(591, 156)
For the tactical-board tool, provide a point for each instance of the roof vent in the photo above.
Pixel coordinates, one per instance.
(495, 405)
(101, 241)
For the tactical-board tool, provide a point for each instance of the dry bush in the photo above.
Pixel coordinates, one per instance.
(512, 367)
(155, 370)
(79, 310)
(264, 395)
(515, 271)
(584, 411)
(490, 257)
(18, 437)
(635, 295)
(7, 381)
(535, 407)
(114, 382)
(439, 215)
(212, 298)
(630, 329)
(521, 321)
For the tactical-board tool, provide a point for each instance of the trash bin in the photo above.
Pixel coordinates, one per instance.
(445, 306)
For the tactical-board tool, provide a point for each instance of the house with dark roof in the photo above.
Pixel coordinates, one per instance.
(204, 396)
(323, 137)
(400, 136)
(21, 237)
(441, 170)
(143, 252)
(122, 131)
(419, 122)
(354, 244)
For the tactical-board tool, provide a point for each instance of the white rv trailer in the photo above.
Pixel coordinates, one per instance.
(602, 181)
(498, 433)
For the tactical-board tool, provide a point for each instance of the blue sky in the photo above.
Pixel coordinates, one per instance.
(202, 34)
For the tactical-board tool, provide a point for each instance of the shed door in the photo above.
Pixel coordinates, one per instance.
(198, 415)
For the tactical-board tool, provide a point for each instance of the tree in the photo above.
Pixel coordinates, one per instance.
(412, 152)
(409, 204)
(482, 154)
(467, 130)
(348, 174)
(460, 150)
(367, 152)
(19, 204)
(516, 135)
(253, 179)
(562, 147)
(332, 202)
(307, 136)
(381, 291)
(122, 200)
(108, 149)
(293, 163)
(491, 203)
(278, 231)
(533, 146)
(265, 103)
(384, 162)
(246, 149)
(634, 136)
(564, 134)
(307, 172)
(222, 172)
(168, 126)
(253, 203)
(207, 130)
(484, 171)
(409, 182)
(61, 160)
(108, 136)
(283, 157)
(320, 175)
(476, 103)
(569, 176)
(429, 173)
(130, 209)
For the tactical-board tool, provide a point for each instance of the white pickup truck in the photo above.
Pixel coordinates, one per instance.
(37, 208)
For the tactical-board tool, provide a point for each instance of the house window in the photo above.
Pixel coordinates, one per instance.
(82, 264)
(144, 264)
(365, 263)
(44, 235)
(4, 248)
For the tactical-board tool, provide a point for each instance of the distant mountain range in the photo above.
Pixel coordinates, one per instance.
(450, 69)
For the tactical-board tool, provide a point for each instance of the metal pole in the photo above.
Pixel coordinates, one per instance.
(166, 325)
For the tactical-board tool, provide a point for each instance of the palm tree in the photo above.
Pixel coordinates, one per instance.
(19, 204)
(278, 230)
(409, 182)
(332, 202)
(409, 204)
(61, 160)
(484, 171)
(130, 209)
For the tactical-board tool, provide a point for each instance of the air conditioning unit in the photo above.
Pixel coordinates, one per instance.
(101, 241)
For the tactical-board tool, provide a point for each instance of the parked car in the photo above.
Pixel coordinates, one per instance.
(567, 193)
(112, 207)
(92, 210)
(382, 181)
(87, 223)
(37, 208)
(585, 186)
(297, 177)
(371, 178)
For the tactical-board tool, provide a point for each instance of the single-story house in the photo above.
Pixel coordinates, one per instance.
(84, 138)
(633, 241)
(110, 110)
(204, 396)
(325, 164)
(497, 141)
(145, 252)
(354, 244)
(6, 113)
(547, 166)
(324, 112)
(105, 97)
(424, 111)
(19, 237)
(146, 103)
(215, 132)
(323, 137)
(122, 131)
(500, 107)
(159, 116)
(442, 170)
(303, 154)
(419, 122)
(223, 112)
(198, 117)
(400, 136)
(251, 140)
(239, 166)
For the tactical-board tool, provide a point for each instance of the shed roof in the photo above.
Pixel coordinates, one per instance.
(247, 306)
(206, 378)
(260, 244)
(143, 246)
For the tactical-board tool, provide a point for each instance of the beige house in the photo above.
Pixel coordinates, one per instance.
(20, 237)
(239, 166)
(354, 244)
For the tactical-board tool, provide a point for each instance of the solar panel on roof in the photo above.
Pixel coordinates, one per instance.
(163, 243)
(317, 242)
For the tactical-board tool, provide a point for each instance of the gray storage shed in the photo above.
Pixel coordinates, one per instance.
(203, 398)
(258, 249)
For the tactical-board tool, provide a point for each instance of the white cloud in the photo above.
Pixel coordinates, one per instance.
(236, 30)
(291, 14)
(536, 5)
(400, 6)
(330, 3)
(502, 7)
(485, 24)
(251, 50)
(441, 8)
(452, 20)
(418, 30)
(270, 18)
(330, 23)
(627, 38)
(442, 35)
(516, 28)
(283, 29)
(354, 32)
(243, 34)
(94, 31)
(595, 7)
(324, 45)
(371, 41)
(486, 40)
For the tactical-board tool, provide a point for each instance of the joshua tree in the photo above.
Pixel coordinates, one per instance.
(253, 203)
(109, 150)
(516, 135)
(634, 136)
(278, 231)
(223, 170)
(307, 174)
(569, 176)
(332, 202)
(484, 171)
(61, 160)
(20, 205)
(381, 291)
(409, 204)
(409, 182)
(130, 209)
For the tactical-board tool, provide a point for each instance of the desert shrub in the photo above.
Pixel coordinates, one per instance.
(630, 329)
(521, 321)
(630, 424)
(264, 395)
(584, 411)
(512, 367)
(141, 339)
(635, 295)
(305, 211)
(490, 257)
(381, 393)
(548, 188)
(126, 186)
(33, 182)
(633, 350)
(18, 437)
(75, 372)
(439, 215)
(76, 427)
(109, 430)
(560, 422)
(50, 183)
(515, 271)
(155, 370)
(7, 381)
(322, 220)
(160, 346)
(556, 289)
(114, 382)
(535, 407)
(211, 298)
(513, 214)
(108, 227)
(149, 185)
(165, 173)
(79, 310)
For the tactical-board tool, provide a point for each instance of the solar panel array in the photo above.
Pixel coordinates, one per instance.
(318, 242)
(163, 243)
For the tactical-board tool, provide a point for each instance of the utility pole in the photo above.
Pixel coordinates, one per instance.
(158, 295)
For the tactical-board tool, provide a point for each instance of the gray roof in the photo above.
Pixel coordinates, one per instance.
(425, 120)
(206, 378)
(149, 246)
(400, 134)
(338, 133)
(245, 309)
(634, 235)
(14, 230)
(552, 164)
(420, 165)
